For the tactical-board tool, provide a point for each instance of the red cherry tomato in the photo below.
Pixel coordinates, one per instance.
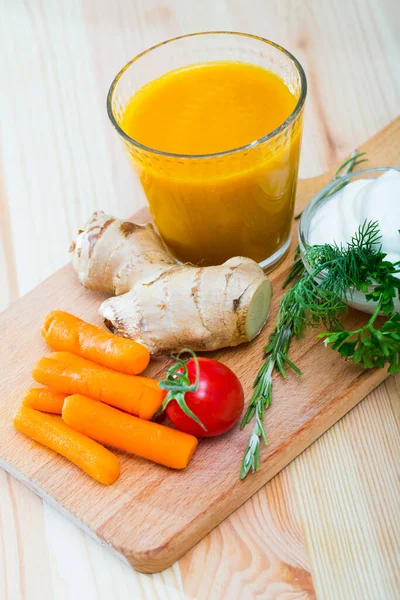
(218, 401)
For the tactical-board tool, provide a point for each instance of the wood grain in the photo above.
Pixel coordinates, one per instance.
(152, 515)
(350, 50)
(382, 453)
(274, 563)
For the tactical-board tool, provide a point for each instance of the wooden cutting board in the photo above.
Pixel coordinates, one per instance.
(153, 515)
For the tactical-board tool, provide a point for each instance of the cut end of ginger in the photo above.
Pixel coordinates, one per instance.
(258, 309)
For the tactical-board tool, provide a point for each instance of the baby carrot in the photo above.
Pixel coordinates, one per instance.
(96, 461)
(44, 400)
(126, 392)
(63, 331)
(77, 361)
(163, 445)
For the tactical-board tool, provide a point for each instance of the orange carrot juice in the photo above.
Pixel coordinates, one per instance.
(214, 187)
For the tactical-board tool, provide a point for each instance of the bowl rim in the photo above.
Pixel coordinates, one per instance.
(351, 296)
(321, 195)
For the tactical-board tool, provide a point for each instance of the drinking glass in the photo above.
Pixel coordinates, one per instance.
(210, 207)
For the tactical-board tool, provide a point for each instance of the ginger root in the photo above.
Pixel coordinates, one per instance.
(164, 305)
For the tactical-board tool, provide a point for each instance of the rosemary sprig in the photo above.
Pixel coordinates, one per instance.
(297, 268)
(318, 298)
(276, 357)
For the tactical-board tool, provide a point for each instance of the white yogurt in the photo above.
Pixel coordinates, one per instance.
(363, 199)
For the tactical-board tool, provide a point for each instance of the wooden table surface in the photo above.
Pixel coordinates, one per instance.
(334, 513)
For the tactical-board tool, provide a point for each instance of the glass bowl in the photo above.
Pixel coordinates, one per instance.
(354, 298)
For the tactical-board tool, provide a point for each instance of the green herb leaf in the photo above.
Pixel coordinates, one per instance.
(177, 383)
(318, 299)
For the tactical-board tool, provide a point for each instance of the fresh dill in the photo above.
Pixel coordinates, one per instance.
(318, 298)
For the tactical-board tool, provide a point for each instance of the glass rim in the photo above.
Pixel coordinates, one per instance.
(295, 112)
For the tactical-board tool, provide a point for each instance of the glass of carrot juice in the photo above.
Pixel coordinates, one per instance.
(212, 123)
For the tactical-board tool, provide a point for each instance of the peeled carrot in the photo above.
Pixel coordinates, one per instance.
(62, 331)
(126, 392)
(163, 445)
(77, 361)
(73, 360)
(44, 400)
(96, 461)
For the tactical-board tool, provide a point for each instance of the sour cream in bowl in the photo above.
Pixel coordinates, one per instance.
(334, 217)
